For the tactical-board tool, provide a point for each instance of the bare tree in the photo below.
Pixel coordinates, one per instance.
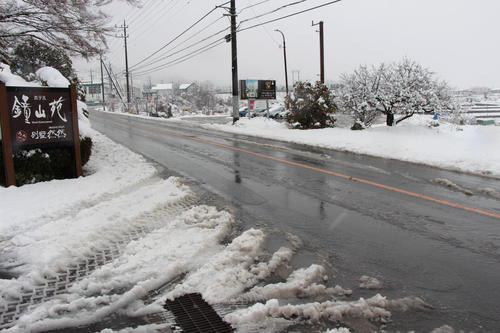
(77, 26)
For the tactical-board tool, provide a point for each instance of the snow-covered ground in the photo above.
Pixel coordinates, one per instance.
(79, 250)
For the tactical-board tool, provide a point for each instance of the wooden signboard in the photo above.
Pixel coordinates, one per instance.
(38, 117)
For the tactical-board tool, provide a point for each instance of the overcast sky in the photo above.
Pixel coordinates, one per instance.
(457, 39)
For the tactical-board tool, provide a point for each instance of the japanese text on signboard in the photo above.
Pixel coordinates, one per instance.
(39, 116)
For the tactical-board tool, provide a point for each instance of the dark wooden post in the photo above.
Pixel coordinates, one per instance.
(8, 161)
(76, 133)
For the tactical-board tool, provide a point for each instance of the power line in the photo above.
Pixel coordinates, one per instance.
(184, 57)
(152, 61)
(173, 63)
(263, 27)
(290, 15)
(143, 13)
(177, 37)
(252, 5)
(158, 15)
(184, 49)
(274, 10)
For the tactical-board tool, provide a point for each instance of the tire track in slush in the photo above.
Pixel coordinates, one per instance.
(11, 309)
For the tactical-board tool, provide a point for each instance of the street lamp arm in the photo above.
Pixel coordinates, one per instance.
(284, 56)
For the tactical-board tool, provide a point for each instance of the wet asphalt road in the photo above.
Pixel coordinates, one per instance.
(446, 255)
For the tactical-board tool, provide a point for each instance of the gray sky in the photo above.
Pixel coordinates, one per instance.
(457, 39)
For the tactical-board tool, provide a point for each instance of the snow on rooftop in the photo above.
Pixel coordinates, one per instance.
(185, 86)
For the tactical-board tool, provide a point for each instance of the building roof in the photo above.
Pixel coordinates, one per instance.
(163, 86)
(185, 86)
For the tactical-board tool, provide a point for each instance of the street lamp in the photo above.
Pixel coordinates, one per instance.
(284, 56)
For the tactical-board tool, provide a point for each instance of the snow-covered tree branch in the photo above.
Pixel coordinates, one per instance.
(403, 88)
(77, 26)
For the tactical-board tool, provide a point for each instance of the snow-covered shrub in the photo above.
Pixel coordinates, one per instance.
(310, 106)
(45, 164)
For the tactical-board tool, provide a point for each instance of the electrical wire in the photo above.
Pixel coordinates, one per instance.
(206, 49)
(160, 66)
(263, 27)
(251, 6)
(177, 37)
(289, 15)
(274, 10)
(155, 18)
(216, 43)
(152, 62)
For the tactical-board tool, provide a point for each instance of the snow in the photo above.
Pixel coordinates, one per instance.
(466, 148)
(52, 77)
(184, 86)
(10, 79)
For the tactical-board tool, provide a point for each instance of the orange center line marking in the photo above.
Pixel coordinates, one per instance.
(340, 175)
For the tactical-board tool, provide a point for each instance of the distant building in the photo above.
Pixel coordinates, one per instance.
(186, 87)
(163, 89)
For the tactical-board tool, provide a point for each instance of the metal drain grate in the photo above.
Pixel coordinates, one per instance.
(194, 315)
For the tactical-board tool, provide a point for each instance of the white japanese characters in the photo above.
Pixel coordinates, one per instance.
(20, 108)
(23, 107)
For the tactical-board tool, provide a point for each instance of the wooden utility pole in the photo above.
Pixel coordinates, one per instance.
(321, 51)
(234, 63)
(125, 36)
(102, 85)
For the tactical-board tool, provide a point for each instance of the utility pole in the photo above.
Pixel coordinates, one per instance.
(102, 84)
(321, 51)
(284, 56)
(234, 55)
(125, 36)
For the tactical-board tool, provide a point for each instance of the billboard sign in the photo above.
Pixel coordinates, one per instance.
(258, 89)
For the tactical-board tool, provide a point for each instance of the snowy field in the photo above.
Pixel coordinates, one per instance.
(121, 240)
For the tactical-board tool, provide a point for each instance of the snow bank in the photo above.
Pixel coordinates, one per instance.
(462, 148)
(112, 169)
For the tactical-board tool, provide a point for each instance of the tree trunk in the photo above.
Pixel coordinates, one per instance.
(390, 119)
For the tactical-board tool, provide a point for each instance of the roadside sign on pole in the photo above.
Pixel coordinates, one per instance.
(257, 89)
